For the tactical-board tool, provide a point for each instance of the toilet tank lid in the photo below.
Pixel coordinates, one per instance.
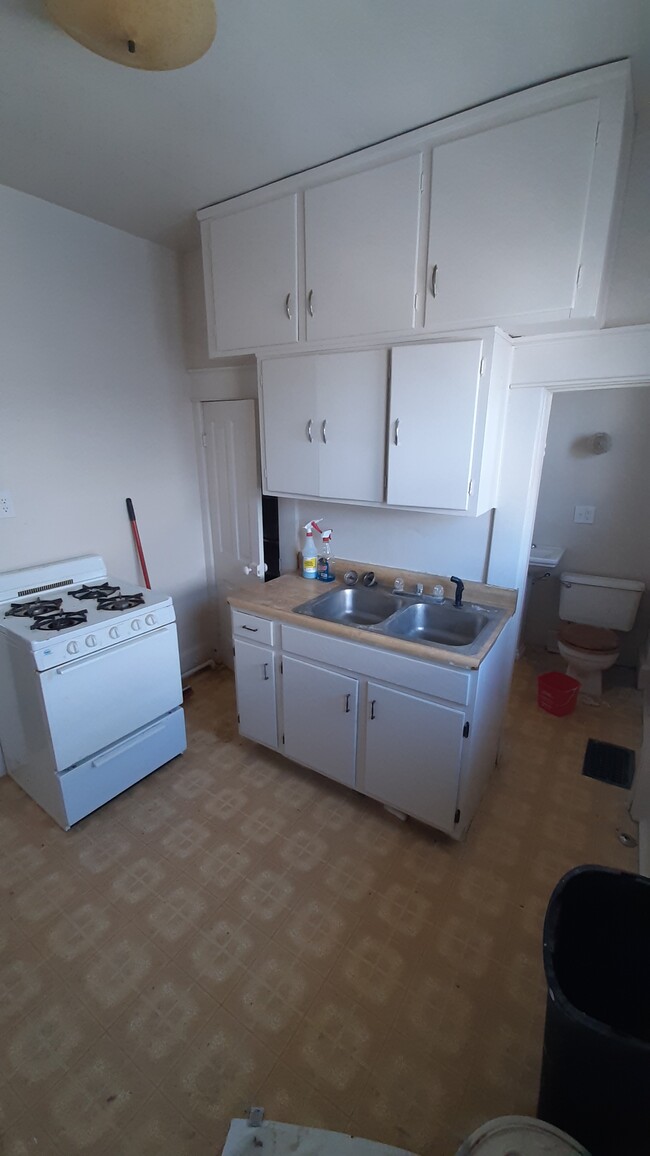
(599, 580)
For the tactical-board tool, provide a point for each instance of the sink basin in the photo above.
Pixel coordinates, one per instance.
(442, 624)
(352, 606)
(545, 557)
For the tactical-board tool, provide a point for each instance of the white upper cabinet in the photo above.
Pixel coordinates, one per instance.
(447, 402)
(251, 276)
(323, 424)
(361, 247)
(520, 195)
(508, 210)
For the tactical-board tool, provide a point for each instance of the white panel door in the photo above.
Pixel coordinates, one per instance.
(255, 685)
(413, 754)
(291, 427)
(361, 237)
(351, 390)
(255, 275)
(235, 504)
(508, 208)
(320, 719)
(433, 423)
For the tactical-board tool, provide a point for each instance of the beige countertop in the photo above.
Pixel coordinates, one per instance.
(278, 599)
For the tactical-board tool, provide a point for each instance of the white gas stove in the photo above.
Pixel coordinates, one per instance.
(90, 687)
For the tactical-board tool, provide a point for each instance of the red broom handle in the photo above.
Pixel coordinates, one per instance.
(138, 543)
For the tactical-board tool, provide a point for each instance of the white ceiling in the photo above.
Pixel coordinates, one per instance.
(286, 85)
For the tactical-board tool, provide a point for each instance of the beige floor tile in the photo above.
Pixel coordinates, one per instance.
(334, 1046)
(173, 919)
(217, 1076)
(159, 1129)
(222, 949)
(162, 1019)
(268, 894)
(71, 937)
(44, 1045)
(24, 976)
(124, 965)
(273, 995)
(318, 928)
(27, 1137)
(97, 1098)
(289, 1098)
(373, 970)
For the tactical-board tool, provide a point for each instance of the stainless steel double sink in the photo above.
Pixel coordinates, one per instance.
(415, 617)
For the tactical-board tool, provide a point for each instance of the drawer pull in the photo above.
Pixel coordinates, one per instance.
(310, 436)
(310, 302)
(253, 629)
(372, 708)
(287, 306)
(324, 432)
(397, 432)
(266, 671)
(434, 281)
(347, 704)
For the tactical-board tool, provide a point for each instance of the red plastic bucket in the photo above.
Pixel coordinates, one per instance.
(557, 693)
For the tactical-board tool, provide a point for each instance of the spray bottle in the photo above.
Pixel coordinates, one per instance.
(326, 559)
(309, 553)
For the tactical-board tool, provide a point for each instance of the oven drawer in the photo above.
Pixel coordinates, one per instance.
(95, 701)
(107, 774)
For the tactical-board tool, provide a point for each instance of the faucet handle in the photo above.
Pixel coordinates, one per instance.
(419, 588)
(398, 585)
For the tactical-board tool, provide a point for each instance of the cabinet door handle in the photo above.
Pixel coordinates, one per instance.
(310, 436)
(434, 281)
(324, 431)
(397, 431)
(347, 704)
(266, 672)
(253, 629)
(287, 306)
(310, 302)
(372, 708)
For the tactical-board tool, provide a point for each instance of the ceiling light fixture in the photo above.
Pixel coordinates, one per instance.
(156, 35)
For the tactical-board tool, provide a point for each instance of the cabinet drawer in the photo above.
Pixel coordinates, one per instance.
(253, 628)
(410, 673)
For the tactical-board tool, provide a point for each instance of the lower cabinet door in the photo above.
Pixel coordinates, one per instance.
(255, 684)
(413, 754)
(320, 719)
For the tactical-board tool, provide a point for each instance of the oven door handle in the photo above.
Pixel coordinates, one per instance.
(133, 741)
(87, 659)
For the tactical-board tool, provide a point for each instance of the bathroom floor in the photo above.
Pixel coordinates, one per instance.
(235, 930)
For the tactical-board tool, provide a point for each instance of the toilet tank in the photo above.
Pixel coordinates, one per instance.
(598, 601)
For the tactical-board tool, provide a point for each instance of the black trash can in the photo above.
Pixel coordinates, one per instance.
(595, 1081)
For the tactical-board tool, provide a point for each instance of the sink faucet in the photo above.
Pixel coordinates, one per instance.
(460, 586)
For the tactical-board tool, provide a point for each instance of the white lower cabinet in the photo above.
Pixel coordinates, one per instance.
(320, 709)
(413, 754)
(255, 685)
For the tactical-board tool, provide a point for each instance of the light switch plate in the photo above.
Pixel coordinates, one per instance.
(6, 505)
(584, 513)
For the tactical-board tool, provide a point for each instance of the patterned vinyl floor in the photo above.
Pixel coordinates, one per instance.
(235, 930)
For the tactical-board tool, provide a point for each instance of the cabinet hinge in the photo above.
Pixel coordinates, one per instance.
(283, 740)
(204, 440)
(579, 277)
(457, 817)
(481, 368)
(470, 487)
(238, 719)
(465, 733)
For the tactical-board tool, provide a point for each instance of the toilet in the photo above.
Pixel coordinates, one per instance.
(592, 608)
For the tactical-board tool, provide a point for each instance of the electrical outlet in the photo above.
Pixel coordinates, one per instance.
(6, 505)
(584, 514)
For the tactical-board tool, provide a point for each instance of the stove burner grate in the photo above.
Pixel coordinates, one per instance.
(59, 620)
(34, 608)
(121, 602)
(86, 592)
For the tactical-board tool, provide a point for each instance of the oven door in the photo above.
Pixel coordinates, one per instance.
(94, 701)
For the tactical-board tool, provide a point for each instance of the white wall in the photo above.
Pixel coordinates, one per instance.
(616, 483)
(94, 405)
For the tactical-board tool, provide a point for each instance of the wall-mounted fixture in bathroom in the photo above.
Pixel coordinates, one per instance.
(601, 443)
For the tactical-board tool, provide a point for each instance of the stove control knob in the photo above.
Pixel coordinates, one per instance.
(113, 632)
(91, 640)
(72, 648)
(150, 620)
(136, 624)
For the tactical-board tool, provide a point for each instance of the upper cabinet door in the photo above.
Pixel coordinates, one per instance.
(361, 244)
(508, 212)
(253, 276)
(290, 424)
(433, 424)
(352, 424)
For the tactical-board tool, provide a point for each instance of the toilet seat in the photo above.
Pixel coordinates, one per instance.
(588, 638)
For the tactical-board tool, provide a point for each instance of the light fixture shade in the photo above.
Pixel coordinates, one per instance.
(152, 34)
